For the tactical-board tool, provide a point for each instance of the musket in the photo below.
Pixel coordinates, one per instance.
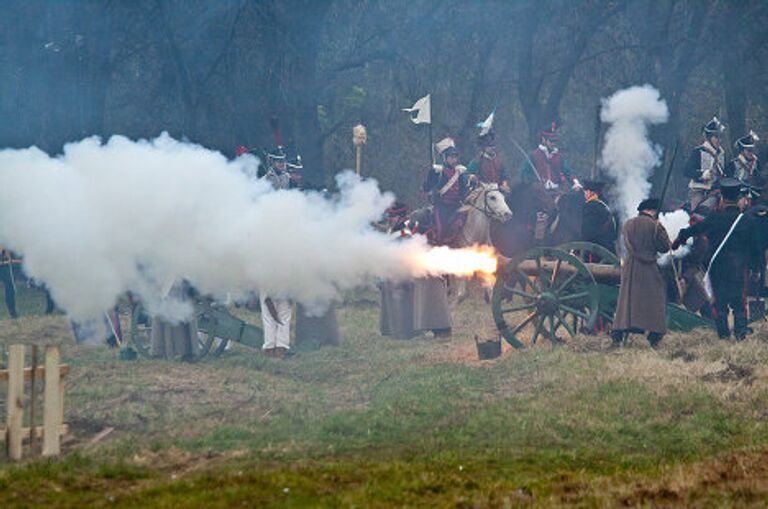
(669, 173)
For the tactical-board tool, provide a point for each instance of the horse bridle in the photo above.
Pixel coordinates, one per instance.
(486, 210)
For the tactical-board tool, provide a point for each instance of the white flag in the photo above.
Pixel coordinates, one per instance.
(422, 109)
(486, 125)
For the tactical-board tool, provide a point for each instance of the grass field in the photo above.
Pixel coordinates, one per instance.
(422, 423)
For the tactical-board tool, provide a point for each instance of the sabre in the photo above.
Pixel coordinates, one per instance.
(525, 154)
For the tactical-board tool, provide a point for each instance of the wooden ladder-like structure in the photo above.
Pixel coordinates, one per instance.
(52, 373)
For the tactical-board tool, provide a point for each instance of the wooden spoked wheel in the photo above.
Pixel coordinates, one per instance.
(595, 253)
(546, 294)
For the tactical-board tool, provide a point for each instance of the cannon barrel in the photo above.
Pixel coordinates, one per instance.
(602, 272)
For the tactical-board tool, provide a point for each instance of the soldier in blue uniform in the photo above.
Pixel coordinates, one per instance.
(730, 255)
(705, 166)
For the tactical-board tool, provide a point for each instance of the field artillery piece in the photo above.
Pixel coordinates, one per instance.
(216, 328)
(553, 293)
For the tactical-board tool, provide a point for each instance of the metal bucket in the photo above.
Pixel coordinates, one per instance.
(489, 349)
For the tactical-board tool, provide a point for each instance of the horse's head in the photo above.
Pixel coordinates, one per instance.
(488, 199)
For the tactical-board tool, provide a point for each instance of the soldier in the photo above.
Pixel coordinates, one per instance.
(446, 186)
(6, 275)
(549, 167)
(729, 249)
(705, 165)
(598, 225)
(641, 306)
(745, 166)
(277, 171)
(486, 167)
(276, 313)
(397, 306)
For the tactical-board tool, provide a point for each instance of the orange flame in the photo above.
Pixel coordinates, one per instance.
(468, 261)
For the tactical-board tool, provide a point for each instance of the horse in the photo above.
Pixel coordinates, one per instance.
(485, 204)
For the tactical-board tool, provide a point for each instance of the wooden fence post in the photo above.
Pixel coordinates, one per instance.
(52, 406)
(15, 401)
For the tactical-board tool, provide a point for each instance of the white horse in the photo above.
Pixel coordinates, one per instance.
(482, 205)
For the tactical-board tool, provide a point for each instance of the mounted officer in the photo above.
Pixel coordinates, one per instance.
(705, 166)
(549, 167)
(729, 257)
(447, 186)
(487, 167)
(745, 165)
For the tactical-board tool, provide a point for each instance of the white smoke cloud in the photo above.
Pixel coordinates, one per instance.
(105, 218)
(628, 156)
(673, 222)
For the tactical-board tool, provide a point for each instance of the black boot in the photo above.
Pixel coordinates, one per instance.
(654, 338)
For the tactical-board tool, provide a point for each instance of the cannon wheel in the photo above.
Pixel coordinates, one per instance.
(141, 335)
(556, 291)
(595, 253)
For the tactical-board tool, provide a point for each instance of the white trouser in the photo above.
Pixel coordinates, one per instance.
(276, 334)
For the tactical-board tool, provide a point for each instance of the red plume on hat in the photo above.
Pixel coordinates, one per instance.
(550, 131)
(240, 150)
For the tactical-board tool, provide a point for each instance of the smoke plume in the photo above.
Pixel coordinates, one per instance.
(628, 156)
(673, 222)
(102, 219)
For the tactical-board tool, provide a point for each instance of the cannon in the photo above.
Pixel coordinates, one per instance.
(216, 327)
(550, 294)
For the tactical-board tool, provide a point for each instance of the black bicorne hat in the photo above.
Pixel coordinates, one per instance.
(713, 127)
(596, 186)
(747, 141)
(649, 204)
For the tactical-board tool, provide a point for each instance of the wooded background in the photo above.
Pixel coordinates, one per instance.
(214, 71)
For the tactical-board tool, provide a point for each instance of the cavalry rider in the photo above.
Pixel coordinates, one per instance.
(549, 167)
(446, 185)
(745, 166)
(705, 165)
(642, 293)
(729, 257)
(486, 167)
(598, 224)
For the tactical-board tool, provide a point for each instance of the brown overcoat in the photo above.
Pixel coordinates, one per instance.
(642, 294)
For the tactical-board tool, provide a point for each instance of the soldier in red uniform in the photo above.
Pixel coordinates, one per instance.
(549, 167)
(446, 186)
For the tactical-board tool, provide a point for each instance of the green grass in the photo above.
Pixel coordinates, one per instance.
(378, 422)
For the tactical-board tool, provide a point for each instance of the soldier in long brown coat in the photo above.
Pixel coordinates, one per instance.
(642, 295)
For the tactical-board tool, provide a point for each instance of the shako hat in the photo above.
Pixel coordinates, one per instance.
(549, 131)
(277, 154)
(730, 188)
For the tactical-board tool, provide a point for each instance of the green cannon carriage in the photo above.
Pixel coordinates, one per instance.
(551, 294)
(216, 327)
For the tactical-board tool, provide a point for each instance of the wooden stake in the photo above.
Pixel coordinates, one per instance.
(32, 402)
(359, 151)
(53, 402)
(15, 401)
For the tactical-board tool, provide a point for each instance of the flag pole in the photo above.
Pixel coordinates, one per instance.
(431, 146)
